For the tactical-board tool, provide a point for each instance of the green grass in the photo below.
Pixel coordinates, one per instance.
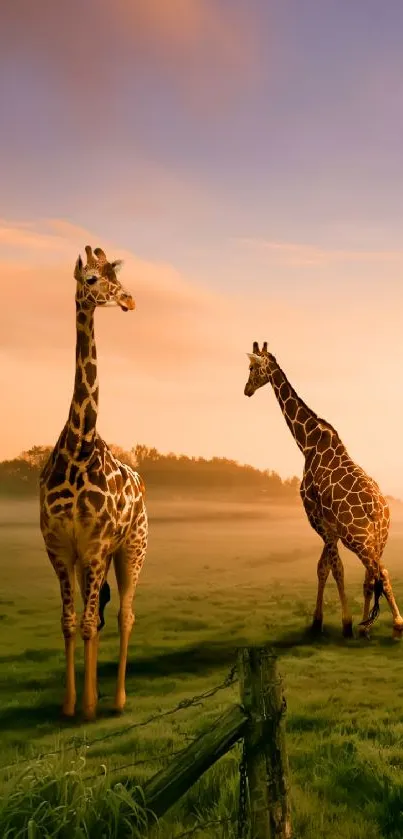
(210, 583)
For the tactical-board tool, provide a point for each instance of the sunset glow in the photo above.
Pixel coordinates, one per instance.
(247, 167)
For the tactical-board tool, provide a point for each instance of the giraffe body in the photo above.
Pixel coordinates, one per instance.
(341, 501)
(92, 508)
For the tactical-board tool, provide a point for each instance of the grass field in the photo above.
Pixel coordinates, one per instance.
(217, 575)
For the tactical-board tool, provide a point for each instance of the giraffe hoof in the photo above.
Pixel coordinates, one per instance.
(117, 712)
(348, 630)
(397, 633)
(316, 626)
(119, 707)
(68, 711)
(363, 632)
(89, 714)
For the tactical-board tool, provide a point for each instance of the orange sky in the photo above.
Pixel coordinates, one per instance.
(172, 373)
(248, 168)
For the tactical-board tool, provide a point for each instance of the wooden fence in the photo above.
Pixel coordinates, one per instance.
(259, 721)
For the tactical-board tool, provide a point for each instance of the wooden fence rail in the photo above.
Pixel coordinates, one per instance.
(259, 720)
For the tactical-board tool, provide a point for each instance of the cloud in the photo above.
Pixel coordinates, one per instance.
(189, 31)
(177, 321)
(53, 235)
(178, 324)
(211, 47)
(289, 253)
(37, 314)
(147, 190)
(203, 49)
(172, 373)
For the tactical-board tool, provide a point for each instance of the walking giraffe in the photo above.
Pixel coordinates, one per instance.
(91, 505)
(340, 500)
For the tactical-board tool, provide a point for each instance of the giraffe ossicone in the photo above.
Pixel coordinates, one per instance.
(341, 501)
(92, 508)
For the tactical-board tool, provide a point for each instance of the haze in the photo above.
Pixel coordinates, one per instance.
(247, 165)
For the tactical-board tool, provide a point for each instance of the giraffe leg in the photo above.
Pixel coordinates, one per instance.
(337, 569)
(368, 590)
(323, 573)
(388, 592)
(70, 696)
(373, 570)
(90, 697)
(127, 561)
(104, 598)
(315, 520)
(90, 581)
(96, 648)
(64, 567)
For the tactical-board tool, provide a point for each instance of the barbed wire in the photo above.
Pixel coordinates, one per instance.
(157, 759)
(73, 744)
(146, 760)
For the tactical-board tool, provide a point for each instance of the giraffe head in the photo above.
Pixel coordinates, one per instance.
(258, 368)
(97, 283)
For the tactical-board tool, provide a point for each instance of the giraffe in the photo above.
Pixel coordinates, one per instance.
(92, 507)
(340, 500)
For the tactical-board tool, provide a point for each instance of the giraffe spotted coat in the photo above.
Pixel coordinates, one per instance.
(340, 500)
(92, 507)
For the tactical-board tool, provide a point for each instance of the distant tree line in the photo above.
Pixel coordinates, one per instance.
(177, 473)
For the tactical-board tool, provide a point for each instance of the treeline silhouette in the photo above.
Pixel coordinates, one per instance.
(178, 474)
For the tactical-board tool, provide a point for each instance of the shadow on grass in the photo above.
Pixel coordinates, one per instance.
(25, 717)
(331, 636)
(30, 655)
(197, 660)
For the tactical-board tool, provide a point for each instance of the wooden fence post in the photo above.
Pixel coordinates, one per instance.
(265, 748)
(164, 788)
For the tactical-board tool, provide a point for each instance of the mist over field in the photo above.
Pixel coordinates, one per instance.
(229, 564)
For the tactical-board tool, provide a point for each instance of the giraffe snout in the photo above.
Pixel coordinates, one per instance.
(126, 302)
(248, 390)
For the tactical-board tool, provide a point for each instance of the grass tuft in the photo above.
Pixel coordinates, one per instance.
(52, 799)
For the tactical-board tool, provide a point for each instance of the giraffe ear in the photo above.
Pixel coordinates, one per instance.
(101, 256)
(116, 265)
(253, 357)
(78, 269)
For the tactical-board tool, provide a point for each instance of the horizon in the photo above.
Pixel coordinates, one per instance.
(247, 168)
(194, 458)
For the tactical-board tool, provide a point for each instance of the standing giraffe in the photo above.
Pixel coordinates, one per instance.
(340, 500)
(92, 506)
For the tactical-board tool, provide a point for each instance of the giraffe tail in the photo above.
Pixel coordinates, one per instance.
(378, 591)
(378, 586)
(104, 598)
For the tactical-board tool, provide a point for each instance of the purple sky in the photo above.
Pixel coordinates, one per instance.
(256, 148)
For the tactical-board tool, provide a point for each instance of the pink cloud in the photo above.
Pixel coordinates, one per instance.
(206, 49)
(210, 48)
(290, 253)
(167, 325)
(24, 236)
(172, 372)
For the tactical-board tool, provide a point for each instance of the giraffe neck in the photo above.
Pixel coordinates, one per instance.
(302, 422)
(80, 430)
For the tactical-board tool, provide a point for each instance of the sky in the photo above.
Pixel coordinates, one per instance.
(246, 161)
